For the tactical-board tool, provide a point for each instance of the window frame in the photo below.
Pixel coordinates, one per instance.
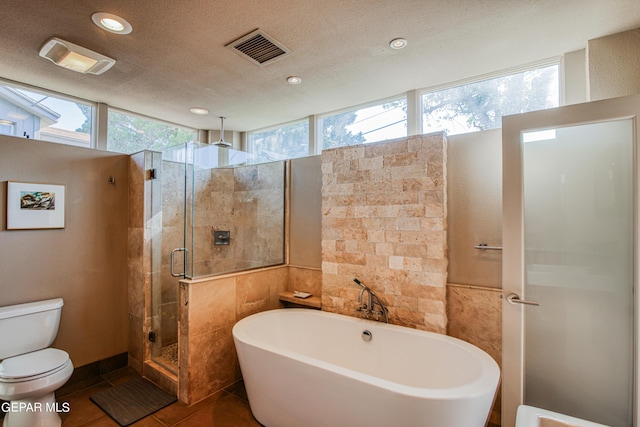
(109, 109)
(250, 143)
(319, 118)
(64, 97)
(413, 99)
(555, 61)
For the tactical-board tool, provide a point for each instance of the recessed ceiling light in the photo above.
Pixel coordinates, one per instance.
(112, 23)
(200, 111)
(398, 43)
(294, 80)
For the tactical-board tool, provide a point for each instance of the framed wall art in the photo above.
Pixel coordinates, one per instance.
(34, 205)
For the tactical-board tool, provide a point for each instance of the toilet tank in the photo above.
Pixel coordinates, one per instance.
(29, 327)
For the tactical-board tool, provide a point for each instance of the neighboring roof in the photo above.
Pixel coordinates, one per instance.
(65, 136)
(47, 115)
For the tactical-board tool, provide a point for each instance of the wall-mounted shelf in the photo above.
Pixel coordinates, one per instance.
(312, 301)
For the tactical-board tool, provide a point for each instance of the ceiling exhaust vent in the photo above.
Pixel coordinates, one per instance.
(259, 48)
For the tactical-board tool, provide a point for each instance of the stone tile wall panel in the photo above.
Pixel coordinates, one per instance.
(384, 221)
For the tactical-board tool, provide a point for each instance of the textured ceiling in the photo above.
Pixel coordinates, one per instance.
(176, 59)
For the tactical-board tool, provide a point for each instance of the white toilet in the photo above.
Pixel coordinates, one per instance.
(30, 372)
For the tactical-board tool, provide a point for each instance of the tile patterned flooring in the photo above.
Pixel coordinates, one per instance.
(226, 408)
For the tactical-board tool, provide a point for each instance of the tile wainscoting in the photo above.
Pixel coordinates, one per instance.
(475, 316)
(209, 308)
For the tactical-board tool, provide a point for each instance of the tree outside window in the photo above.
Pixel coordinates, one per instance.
(129, 134)
(284, 142)
(480, 106)
(379, 122)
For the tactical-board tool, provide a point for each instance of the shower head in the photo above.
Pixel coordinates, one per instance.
(222, 142)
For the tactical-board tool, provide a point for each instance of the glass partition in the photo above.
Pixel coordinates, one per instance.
(212, 210)
(235, 204)
(165, 227)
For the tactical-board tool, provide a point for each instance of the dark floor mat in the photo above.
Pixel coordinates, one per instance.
(129, 402)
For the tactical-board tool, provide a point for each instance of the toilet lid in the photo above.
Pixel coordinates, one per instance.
(32, 364)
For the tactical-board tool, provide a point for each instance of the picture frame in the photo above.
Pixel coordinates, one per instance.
(32, 205)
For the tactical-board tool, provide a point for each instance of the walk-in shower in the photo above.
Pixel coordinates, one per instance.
(217, 211)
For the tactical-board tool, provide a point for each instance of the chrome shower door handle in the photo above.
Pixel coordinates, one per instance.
(186, 254)
(514, 298)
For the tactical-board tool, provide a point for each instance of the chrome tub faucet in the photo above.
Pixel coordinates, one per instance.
(373, 306)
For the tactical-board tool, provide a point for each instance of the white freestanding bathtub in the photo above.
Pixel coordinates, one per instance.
(311, 368)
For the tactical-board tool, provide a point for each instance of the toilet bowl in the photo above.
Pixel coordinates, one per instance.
(530, 416)
(30, 372)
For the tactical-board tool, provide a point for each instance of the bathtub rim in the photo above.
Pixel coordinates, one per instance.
(487, 382)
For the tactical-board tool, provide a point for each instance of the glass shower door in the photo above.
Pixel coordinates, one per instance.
(569, 243)
(168, 179)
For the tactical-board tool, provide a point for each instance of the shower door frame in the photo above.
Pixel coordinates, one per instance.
(513, 234)
(163, 252)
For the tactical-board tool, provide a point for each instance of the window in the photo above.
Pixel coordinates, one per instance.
(7, 127)
(128, 133)
(481, 105)
(386, 120)
(32, 113)
(282, 142)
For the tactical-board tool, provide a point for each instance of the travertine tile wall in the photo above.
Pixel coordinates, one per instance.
(475, 316)
(248, 201)
(218, 215)
(209, 309)
(258, 208)
(305, 279)
(384, 221)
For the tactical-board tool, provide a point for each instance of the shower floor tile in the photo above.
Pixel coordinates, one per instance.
(170, 353)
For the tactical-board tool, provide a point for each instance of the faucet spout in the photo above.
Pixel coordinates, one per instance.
(362, 291)
(360, 295)
(369, 307)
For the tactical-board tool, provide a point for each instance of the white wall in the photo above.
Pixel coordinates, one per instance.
(306, 212)
(474, 202)
(614, 65)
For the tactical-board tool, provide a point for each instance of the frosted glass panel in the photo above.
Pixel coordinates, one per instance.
(578, 215)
